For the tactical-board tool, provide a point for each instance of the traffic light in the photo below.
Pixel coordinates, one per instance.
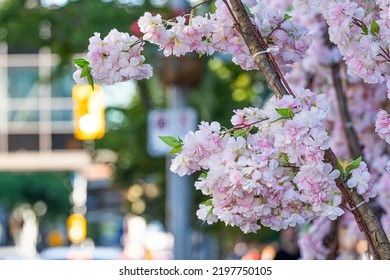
(88, 112)
(76, 227)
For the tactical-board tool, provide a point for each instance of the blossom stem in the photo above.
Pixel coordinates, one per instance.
(244, 126)
(386, 54)
(194, 7)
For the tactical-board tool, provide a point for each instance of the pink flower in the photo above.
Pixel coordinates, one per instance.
(360, 178)
(332, 210)
(77, 78)
(205, 213)
(382, 125)
(116, 58)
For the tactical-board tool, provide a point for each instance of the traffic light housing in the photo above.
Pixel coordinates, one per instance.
(88, 112)
(76, 228)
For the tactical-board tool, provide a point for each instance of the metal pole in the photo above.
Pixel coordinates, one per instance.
(179, 195)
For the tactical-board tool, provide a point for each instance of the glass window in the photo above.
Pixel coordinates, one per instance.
(62, 115)
(23, 82)
(23, 116)
(62, 87)
(65, 141)
(64, 103)
(29, 142)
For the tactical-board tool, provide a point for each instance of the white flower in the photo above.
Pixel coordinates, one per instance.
(205, 213)
(360, 178)
(332, 210)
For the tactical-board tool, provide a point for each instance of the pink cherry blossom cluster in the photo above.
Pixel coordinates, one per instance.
(382, 125)
(269, 168)
(116, 58)
(215, 32)
(362, 35)
(384, 200)
(311, 241)
(364, 102)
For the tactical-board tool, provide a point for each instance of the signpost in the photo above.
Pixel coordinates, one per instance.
(175, 122)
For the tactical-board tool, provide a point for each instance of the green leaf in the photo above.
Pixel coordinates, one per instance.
(285, 113)
(353, 165)
(286, 17)
(247, 10)
(201, 54)
(364, 29)
(176, 149)
(90, 80)
(239, 132)
(270, 41)
(340, 167)
(374, 27)
(81, 62)
(285, 157)
(209, 213)
(208, 202)
(85, 71)
(203, 175)
(171, 141)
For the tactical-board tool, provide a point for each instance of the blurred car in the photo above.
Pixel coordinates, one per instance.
(14, 253)
(78, 253)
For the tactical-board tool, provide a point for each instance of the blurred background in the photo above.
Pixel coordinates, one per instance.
(83, 174)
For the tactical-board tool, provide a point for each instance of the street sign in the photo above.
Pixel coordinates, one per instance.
(176, 123)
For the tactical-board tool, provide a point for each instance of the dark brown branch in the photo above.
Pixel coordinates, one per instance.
(332, 241)
(352, 139)
(256, 43)
(364, 215)
(353, 142)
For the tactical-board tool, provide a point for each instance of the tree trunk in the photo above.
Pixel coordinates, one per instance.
(364, 215)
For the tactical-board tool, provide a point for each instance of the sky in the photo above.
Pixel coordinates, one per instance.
(54, 2)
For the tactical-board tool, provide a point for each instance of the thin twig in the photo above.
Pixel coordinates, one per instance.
(194, 7)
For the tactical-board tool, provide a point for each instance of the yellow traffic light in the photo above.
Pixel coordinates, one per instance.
(77, 228)
(88, 112)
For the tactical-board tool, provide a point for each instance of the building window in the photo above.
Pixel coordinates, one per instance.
(23, 82)
(35, 114)
(23, 142)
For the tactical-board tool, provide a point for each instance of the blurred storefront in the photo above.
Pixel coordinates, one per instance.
(37, 135)
(36, 120)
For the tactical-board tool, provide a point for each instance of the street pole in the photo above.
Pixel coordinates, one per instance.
(179, 198)
(179, 192)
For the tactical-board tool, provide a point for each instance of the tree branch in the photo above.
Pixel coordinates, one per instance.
(257, 44)
(332, 240)
(353, 142)
(364, 215)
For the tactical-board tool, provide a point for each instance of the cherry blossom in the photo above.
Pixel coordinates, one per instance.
(382, 125)
(116, 58)
(255, 177)
(268, 169)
